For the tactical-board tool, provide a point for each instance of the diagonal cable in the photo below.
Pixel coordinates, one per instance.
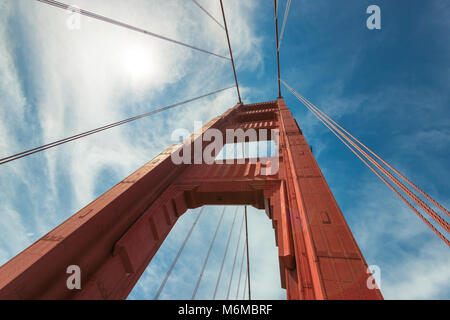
(109, 126)
(125, 25)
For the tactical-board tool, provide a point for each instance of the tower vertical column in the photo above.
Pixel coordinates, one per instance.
(329, 264)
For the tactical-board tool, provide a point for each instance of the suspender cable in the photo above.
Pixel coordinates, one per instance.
(207, 255)
(210, 15)
(225, 254)
(341, 135)
(248, 256)
(245, 286)
(245, 249)
(235, 255)
(231, 53)
(286, 13)
(158, 293)
(240, 272)
(109, 126)
(124, 25)
(278, 53)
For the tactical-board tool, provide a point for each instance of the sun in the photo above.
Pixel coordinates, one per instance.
(137, 62)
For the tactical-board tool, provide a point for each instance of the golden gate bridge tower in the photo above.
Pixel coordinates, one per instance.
(114, 238)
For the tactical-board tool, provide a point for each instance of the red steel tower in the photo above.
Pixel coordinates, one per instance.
(114, 238)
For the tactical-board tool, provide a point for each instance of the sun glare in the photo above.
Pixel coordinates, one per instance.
(137, 62)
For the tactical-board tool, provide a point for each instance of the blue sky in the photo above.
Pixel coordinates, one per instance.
(389, 87)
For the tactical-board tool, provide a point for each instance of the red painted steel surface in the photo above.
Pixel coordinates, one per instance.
(115, 237)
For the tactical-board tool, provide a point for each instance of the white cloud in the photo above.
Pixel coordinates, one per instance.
(424, 275)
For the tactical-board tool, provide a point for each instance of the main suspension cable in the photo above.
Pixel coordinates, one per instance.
(225, 253)
(124, 25)
(235, 256)
(207, 255)
(382, 160)
(341, 135)
(163, 284)
(276, 9)
(275, 2)
(109, 126)
(400, 185)
(210, 15)
(231, 53)
(389, 185)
